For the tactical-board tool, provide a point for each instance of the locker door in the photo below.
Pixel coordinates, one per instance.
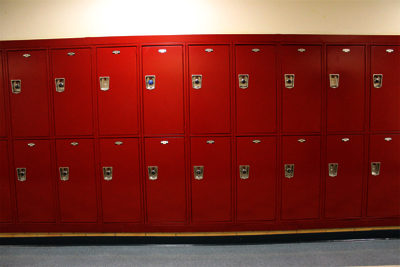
(29, 104)
(256, 193)
(385, 98)
(301, 88)
(6, 214)
(76, 180)
(345, 102)
(3, 128)
(210, 104)
(163, 100)
(343, 188)
(118, 98)
(384, 186)
(166, 186)
(73, 95)
(300, 194)
(35, 195)
(211, 193)
(121, 188)
(256, 98)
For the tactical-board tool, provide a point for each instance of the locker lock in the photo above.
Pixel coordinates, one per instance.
(150, 82)
(333, 169)
(16, 86)
(107, 173)
(60, 85)
(377, 78)
(243, 81)
(289, 81)
(198, 172)
(153, 171)
(104, 83)
(64, 173)
(244, 171)
(375, 168)
(334, 80)
(289, 170)
(196, 81)
(21, 174)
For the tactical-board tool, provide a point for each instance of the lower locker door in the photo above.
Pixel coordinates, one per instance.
(6, 214)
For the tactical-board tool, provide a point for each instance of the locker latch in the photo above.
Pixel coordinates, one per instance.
(107, 173)
(196, 81)
(150, 82)
(198, 172)
(334, 80)
(153, 171)
(64, 173)
(244, 171)
(333, 169)
(375, 168)
(16, 86)
(104, 83)
(289, 170)
(60, 85)
(377, 78)
(243, 81)
(21, 174)
(289, 81)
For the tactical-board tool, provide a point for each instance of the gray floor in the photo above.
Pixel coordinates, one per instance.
(351, 253)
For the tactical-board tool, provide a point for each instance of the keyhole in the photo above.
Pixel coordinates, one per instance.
(153, 172)
(288, 170)
(244, 171)
(243, 81)
(108, 172)
(196, 81)
(198, 171)
(17, 86)
(289, 81)
(65, 173)
(61, 85)
(151, 82)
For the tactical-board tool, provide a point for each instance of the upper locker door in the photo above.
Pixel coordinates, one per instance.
(117, 90)
(3, 127)
(209, 80)
(301, 88)
(385, 88)
(384, 176)
(345, 88)
(255, 88)
(163, 90)
(27, 72)
(6, 214)
(72, 85)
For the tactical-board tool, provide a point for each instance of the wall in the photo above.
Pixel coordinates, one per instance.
(35, 19)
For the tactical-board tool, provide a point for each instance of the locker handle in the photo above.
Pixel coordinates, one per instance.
(60, 85)
(21, 174)
(244, 171)
(198, 172)
(243, 81)
(16, 86)
(375, 168)
(153, 171)
(289, 81)
(334, 80)
(197, 81)
(64, 173)
(289, 170)
(150, 81)
(104, 83)
(333, 169)
(377, 80)
(107, 173)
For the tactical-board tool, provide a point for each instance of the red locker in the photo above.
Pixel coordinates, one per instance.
(346, 94)
(301, 162)
(256, 191)
(120, 180)
(165, 180)
(209, 70)
(6, 214)
(385, 89)
(72, 86)
(163, 90)
(301, 88)
(29, 104)
(255, 88)
(34, 183)
(344, 176)
(3, 128)
(384, 176)
(211, 189)
(76, 180)
(117, 90)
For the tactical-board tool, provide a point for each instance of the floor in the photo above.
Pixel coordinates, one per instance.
(338, 253)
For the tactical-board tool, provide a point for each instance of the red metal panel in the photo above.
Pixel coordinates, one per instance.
(163, 105)
(3, 128)
(256, 105)
(78, 194)
(166, 196)
(121, 195)
(300, 194)
(345, 104)
(29, 108)
(35, 195)
(256, 195)
(343, 193)
(73, 107)
(385, 101)
(210, 105)
(384, 189)
(212, 195)
(6, 214)
(301, 105)
(118, 106)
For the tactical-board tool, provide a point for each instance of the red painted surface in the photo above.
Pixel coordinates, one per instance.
(256, 195)
(35, 195)
(29, 108)
(6, 213)
(121, 196)
(256, 105)
(385, 101)
(343, 193)
(3, 125)
(163, 108)
(212, 195)
(118, 107)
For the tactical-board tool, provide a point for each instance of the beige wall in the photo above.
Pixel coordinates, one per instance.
(35, 19)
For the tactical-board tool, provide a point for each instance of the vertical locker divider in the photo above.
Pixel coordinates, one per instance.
(323, 132)
(186, 113)
(233, 151)
(278, 213)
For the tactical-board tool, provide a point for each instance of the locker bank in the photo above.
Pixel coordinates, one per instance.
(200, 133)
